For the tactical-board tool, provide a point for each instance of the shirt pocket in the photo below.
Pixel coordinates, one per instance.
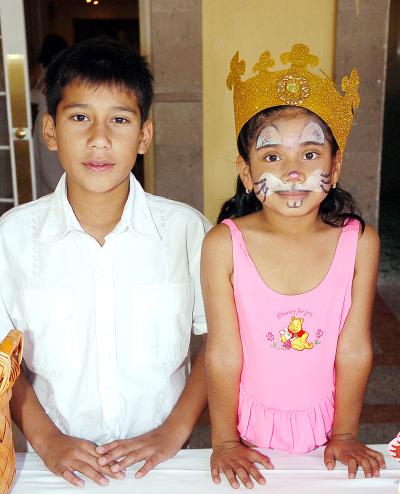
(50, 333)
(162, 317)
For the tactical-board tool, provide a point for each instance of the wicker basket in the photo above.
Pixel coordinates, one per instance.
(10, 360)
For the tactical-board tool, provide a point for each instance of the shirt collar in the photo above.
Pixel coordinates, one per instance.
(137, 214)
(60, 219)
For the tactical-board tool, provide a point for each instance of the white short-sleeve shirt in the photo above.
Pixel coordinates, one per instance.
(106, 329)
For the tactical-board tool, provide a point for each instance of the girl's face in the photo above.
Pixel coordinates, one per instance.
(291, 164)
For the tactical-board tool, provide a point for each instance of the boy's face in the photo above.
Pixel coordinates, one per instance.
(97, 134)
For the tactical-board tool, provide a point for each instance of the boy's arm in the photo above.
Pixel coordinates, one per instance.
(62, 454)
(353, 365)
(164, 442)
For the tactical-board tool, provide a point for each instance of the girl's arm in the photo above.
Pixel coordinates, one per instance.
(353, 365)
(224, 363)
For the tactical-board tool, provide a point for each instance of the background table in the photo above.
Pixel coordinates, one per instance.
(188, 472)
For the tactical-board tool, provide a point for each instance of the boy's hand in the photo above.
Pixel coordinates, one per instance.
(237, 460)
(153, 447)
(64, 455)
(353, 453)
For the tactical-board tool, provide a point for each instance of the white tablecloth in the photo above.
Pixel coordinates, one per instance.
(188, 472)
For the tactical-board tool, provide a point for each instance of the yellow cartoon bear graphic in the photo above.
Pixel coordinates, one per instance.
(295, 335)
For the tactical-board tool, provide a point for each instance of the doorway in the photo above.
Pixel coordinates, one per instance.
(70, 21)
(389, 281)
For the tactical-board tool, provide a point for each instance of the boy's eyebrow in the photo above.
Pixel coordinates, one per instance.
(84, 106)
(124, 108)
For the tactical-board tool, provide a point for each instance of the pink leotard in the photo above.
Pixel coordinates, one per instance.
(289, 344)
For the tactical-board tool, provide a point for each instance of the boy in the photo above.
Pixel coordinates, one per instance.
(104, 280)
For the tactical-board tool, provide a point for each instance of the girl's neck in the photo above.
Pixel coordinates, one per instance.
(98, 213)
(291, 225)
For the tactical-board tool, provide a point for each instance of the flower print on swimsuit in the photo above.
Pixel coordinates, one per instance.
(294, 336)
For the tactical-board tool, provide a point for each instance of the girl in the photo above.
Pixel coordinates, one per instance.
(288, 280)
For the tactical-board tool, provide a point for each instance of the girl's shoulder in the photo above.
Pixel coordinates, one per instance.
(218, 239)
(223, 231)
(217, 252)
(369, 235)
(368, 241)
(366, 232)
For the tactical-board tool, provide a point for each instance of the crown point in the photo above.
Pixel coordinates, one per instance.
(299, 57)
(265, 62)
(238, 68)
(350, 85)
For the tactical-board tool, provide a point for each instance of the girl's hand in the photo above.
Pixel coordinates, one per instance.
(353, 453)
(235, 459)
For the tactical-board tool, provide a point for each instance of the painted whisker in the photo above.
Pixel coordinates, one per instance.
(322, 185)
(262, 187)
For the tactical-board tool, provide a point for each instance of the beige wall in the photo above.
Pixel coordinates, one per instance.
(250, 26)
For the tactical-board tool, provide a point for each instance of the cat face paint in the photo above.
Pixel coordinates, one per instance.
(270, 136)
(273, 135)
(268, 183)
(312, 132)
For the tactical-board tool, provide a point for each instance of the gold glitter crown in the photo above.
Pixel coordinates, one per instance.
(294, 86)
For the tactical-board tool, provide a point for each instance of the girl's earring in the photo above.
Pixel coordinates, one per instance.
(248, 191)
(334, 186)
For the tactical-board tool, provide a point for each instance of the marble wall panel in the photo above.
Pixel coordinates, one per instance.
(361, 41)
(177, 67)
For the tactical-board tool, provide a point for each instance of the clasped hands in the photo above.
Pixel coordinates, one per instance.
(68, 456)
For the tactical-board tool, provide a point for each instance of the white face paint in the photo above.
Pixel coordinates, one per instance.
(269, 136)
(268, 183)
(309, 133)
(312, 132)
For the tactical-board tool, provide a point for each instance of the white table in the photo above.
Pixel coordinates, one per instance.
(188, 472)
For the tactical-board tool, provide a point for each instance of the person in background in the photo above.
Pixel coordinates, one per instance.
(48, 167)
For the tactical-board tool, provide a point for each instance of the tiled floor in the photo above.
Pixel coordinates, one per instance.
(380, 417)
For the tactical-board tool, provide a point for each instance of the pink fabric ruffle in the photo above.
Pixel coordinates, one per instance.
(294, 431)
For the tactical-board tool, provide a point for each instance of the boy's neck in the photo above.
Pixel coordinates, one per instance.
(98, 213)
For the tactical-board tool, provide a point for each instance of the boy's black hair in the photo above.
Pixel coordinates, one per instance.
(99, 61)
(336, 209)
